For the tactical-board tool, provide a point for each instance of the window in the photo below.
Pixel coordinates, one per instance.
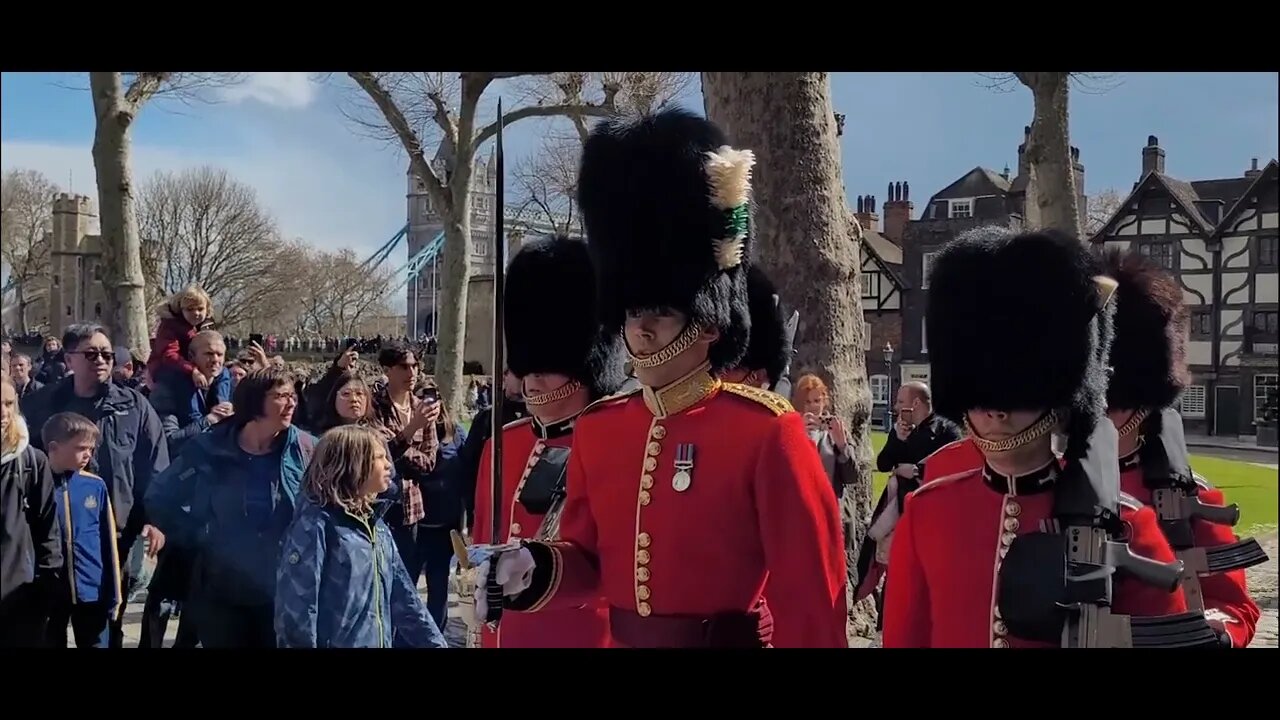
(870, 285)
(479, 247)
(57, 280)
(879, 389)
(1268, 249)
(1192, 402)
(924, 337)
(1264, 321)
(866, 336)
(1202, 323)
(97, 311)
(1265, 389)
(926, 265)
(961, 208)
(1161, 252)
(97, 271)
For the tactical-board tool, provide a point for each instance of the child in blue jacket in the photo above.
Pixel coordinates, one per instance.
(341, 581)
(88, 532)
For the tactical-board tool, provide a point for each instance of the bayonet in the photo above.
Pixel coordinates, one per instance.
(493, 591)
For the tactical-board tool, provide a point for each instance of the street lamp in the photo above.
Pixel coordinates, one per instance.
(888, 354)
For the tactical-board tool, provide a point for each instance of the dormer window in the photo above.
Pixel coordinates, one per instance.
(961, 209)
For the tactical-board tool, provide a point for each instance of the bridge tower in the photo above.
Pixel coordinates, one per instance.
(425, 223)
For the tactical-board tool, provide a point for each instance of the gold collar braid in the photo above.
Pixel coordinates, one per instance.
(1131, 425)
(556, 395)
(681, 394)
(1037, 430)
(682, 342)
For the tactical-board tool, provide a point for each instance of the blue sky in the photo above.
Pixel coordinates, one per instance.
(285, 135)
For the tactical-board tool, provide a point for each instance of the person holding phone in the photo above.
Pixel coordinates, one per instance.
(826, 430)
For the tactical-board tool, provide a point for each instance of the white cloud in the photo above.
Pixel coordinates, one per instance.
(323, 199)
(280, 89)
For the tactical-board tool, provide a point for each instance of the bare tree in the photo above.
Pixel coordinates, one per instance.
(26, 216)
(1051, 200)
(418, 110)
(338, 294)
(802, 227)
(117, 100)
(1101, 208)
(546, 185)
(203, 227)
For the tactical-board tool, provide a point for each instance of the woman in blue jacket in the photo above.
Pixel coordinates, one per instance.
(341, 582)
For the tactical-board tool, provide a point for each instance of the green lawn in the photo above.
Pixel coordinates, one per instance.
(1251, 487)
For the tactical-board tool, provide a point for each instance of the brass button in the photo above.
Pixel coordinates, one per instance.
(1004, 550)
(1000, 628)
(646, 481)
(1007, 538)
(1011, 524)
(642, 557)
(644, 497)
(659, 432)
(1012, 509)
(533, 461)
(644, 610)
(642, 592)
(515, 528)
(1000, 643)
(642, 574)
(996, 611)
(654, 448)
(643, 539)
(650, 464)
(538, 448)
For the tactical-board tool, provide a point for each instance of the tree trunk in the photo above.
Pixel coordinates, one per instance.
(1051, 194)
(455, 281)
(803, 242)
(122, 280)
(20, 297)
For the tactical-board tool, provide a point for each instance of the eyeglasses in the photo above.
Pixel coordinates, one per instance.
(92, 355)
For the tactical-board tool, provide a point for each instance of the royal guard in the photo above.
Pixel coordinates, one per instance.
(1149, 373)
(564, 363)
(688, 495)
(1019, 329)
(767, 363)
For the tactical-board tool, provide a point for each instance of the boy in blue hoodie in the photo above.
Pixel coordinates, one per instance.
(93, 588)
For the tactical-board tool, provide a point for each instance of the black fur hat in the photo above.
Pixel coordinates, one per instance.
(1019, 322)
(769, 347)
(550, 317)
(1149, 354)
(666, 206)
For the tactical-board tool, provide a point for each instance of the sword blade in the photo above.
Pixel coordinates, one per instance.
(499, 337)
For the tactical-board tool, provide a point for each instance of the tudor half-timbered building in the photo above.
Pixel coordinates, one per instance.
(1219, 237)
(881, 287)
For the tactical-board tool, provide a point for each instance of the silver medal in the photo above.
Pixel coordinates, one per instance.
(683, 477)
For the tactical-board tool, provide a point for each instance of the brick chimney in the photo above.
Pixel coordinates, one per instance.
(1082, 200)
(1253, 170)
(1024, 163)
(897, 212)
(866, 213)
(1152, 156)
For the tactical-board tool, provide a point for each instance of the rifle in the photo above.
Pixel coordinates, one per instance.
(1059, 585)
(1166, 471)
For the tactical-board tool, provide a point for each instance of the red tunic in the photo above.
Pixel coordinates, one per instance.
(947, 548)
(584, 625)
(758, 507)
(1226, 592)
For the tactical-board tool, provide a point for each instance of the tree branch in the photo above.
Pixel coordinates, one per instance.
(523, 113)
(408, 138)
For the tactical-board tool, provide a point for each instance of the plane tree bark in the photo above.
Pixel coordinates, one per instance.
(803, 231)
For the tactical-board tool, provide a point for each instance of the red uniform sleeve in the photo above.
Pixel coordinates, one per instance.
(166, 349)
(1132, 596)
(480, 523)
(907, 619)
(803, 541)
(567, 571)
(1228, 592)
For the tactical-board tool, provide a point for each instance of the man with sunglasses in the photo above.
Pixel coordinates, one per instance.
(133, 448)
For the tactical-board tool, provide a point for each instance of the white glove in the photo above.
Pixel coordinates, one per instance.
(515, 575)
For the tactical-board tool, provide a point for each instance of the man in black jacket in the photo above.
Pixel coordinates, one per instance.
(917, 434)
(133, 448)
(479, 433)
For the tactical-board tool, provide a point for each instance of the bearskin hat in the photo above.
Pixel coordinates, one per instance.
(550, 316)
(666, 206)
(1149, 353)
(1019, 322)
(769, 348)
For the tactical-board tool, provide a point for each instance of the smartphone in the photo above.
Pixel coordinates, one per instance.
(430, 394)
(351, 342)
(257, 338)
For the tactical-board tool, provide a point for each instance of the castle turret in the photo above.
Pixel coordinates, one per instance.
(75, 260)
